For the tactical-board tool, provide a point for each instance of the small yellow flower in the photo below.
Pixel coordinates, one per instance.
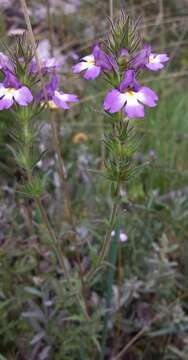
(79, 138)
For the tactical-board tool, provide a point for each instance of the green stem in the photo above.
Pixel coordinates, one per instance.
(53, 237)
(106, 243)
(109, 285)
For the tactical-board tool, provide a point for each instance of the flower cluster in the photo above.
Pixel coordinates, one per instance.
(127, 95)
(20, 73)
(56, 99)
(11, 89)
(95, 63)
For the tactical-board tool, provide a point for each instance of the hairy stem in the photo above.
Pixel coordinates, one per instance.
(53, 120)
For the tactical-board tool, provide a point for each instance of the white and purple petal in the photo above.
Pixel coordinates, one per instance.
(156, 61)
(60, 103)
(23, 96)
(92, 72)
(154, 66)
(71, 98)
(6, 103)
(133, 109)
(83, 65)
(160, 57)
(62, 100)
(89, 58)
(2, 90)
(136, 111)
(114, 101)
(147, 96)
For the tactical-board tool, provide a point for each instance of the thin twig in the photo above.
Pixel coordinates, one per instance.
(111, 8)
(50, 27)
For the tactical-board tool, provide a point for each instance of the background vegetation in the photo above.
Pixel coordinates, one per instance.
(148, 316)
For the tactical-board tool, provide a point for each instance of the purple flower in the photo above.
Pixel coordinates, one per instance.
(130, 97)
(47, 66)
(94, 63)
(123, 237)
(5, 62)
(156, 61)
(11, 91)
(56, 99)
(145, 58)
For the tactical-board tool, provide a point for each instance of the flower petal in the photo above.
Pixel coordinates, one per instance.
(83, 65)
(89, 58)
(103, 60)
(156, 61)
(161, 57)
(2, 90)
(154, 66)
(114, 101)
(134, 111)
(70, 98)
(6, 103)
(10, 80)
(60, 103)
(129, 80)
(141, 57)
(133, 108)
(61, 99)
(23, 96)
(92, 73)
(147, 96)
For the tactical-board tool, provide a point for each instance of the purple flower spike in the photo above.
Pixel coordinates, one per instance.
(94, 63)
(56, 99)
(11, 91)
(130, 97)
